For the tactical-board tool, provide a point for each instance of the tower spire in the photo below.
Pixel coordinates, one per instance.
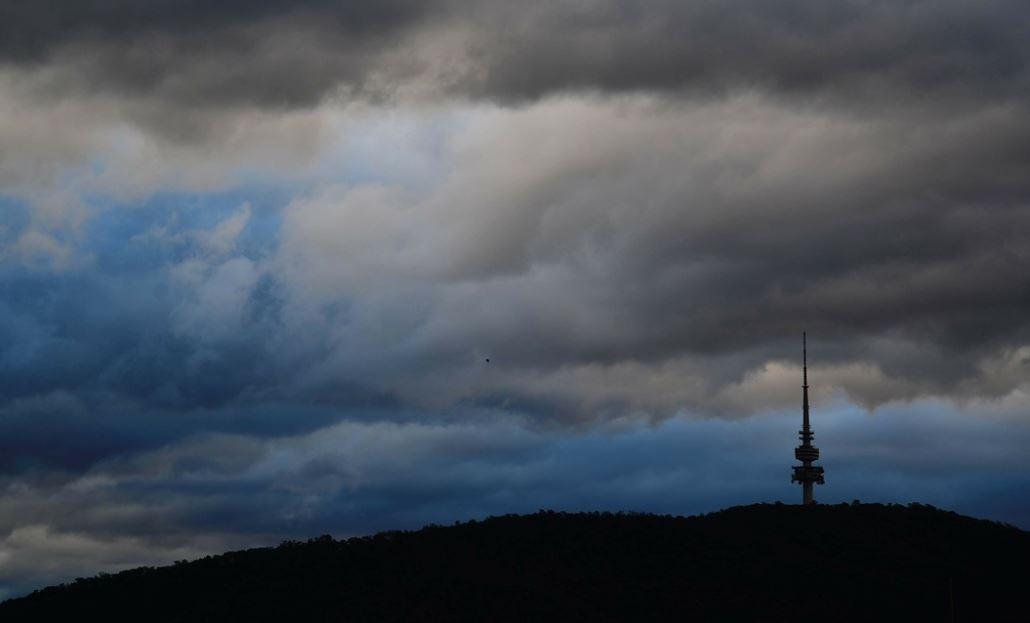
(804, 382)
(806, 473)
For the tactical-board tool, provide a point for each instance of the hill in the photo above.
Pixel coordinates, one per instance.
(762, 562)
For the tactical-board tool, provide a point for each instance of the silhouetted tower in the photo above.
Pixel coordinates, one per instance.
(806, 473)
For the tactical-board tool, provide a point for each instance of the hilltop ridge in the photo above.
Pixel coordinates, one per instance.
(764, 561)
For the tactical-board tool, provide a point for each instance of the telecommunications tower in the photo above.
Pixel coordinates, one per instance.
(806, 473)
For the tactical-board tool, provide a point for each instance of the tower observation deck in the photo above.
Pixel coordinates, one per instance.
(806, 473)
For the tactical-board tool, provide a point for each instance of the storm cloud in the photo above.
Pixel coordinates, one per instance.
(184, 58)
(270, 269)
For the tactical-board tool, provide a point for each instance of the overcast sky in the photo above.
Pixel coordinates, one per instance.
(275, 269)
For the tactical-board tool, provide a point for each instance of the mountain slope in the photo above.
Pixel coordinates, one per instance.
(767, 562)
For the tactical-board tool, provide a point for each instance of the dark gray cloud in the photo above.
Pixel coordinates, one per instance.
(33, 29)
(701, 237)
(274, 53)
(789, 46)
(174, 54)
(35, 32)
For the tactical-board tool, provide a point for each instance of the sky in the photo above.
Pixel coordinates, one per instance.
(270, 270)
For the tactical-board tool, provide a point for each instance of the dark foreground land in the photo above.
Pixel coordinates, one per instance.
(764, 562)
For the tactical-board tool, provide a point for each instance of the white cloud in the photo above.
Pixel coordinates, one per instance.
(40, 250)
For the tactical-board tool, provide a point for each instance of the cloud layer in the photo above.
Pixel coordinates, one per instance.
(293, 53)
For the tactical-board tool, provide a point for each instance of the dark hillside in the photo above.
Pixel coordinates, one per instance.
(762, 562)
